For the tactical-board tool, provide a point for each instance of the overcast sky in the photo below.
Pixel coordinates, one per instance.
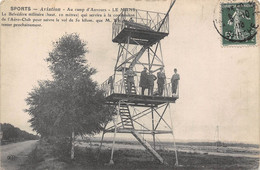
(219, 85)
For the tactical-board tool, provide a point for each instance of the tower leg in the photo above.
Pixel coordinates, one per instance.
(153, 128)
(174, 144)
(101, 142)
(111, 162)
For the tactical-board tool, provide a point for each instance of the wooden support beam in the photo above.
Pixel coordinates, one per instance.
(161, 117)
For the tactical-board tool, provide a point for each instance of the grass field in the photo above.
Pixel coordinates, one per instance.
(131, 156)
(141, 159)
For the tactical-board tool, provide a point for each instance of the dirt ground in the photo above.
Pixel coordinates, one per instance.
(132, 159)
(14, 154)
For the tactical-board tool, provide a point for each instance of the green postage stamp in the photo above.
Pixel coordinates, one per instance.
(238, 23)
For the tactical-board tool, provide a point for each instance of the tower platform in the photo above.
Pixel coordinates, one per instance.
(144, 27)
(140, 35)
(118, 91)
(139, 100)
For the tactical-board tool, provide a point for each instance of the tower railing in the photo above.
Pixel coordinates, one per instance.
(140, 19)
(118, 87)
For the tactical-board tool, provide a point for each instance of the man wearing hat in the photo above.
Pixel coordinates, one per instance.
(143, 80)
(130, 79)
(175, 81)
(160, 81)
(151, 79)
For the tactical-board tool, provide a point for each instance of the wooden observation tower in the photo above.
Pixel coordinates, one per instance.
(138, 34)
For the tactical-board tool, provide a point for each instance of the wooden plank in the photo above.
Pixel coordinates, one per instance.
(140, 100)
(147, 146)
(141, 37)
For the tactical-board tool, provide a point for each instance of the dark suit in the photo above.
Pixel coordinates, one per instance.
(143, 81)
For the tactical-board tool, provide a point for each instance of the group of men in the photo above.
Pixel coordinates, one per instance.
(147, 81)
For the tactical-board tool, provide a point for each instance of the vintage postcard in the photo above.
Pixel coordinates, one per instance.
(136, 84)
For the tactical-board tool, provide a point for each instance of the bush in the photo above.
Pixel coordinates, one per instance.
(62, 146)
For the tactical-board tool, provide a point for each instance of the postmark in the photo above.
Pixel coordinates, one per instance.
(237, 23)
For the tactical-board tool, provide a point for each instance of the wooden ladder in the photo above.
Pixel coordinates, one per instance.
(147, 146)
(126, 118)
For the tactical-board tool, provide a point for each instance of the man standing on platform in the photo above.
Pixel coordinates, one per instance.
(161, 81)
(144, 80)
(151, 79)
(111, 82)
(130, 79)
(175, 81)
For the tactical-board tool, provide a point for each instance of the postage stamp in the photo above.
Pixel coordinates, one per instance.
(238, 23)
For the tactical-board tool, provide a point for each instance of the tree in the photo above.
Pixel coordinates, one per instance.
(72, 103)
(41, 100)
(11, 133)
